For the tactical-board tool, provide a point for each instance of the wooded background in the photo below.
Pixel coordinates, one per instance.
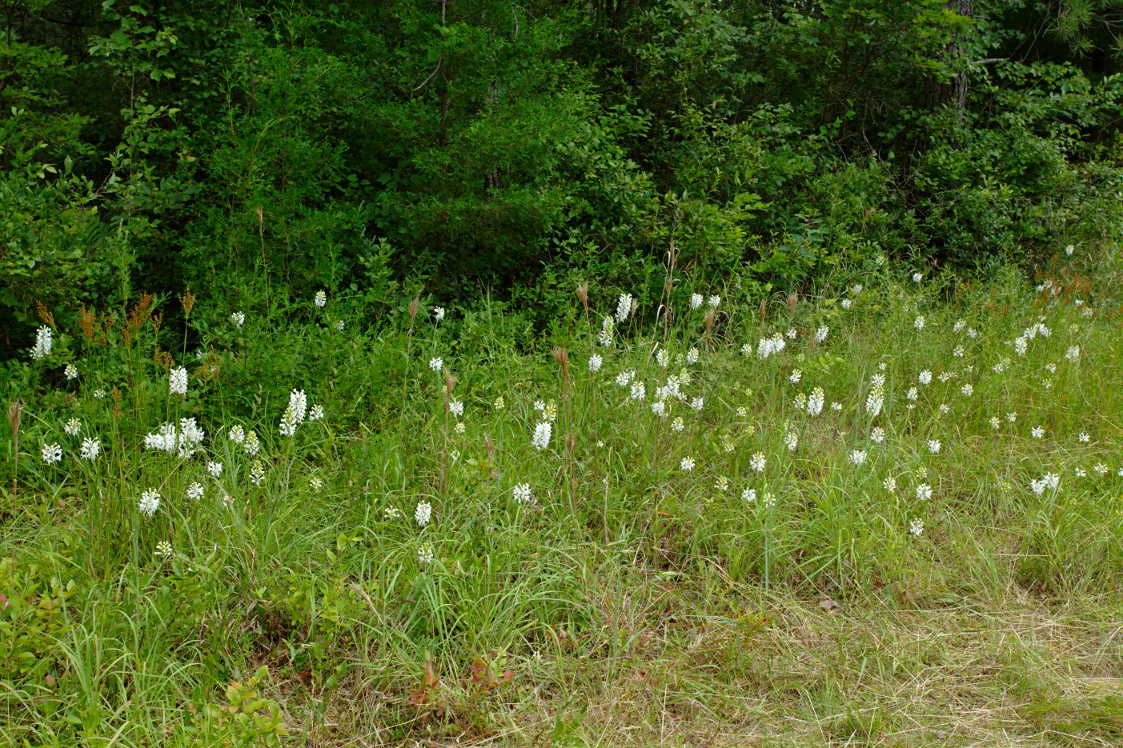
(256, 149)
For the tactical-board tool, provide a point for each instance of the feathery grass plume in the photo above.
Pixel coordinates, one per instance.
(115, 394)
(188, 301)
(708, 321)
(87, 322)
(162, 359)
(793, 301)
(44, 314)
(561, 355)
(413, 308)
(136, 318)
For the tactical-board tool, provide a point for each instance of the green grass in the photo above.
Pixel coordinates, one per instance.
(634, 601)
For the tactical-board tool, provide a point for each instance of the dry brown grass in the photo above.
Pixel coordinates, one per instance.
(1005, 669)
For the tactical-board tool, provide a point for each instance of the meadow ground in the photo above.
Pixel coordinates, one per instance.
(886, 513)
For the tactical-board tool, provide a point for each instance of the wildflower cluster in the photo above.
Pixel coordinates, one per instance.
(296, 412)
(184, 441)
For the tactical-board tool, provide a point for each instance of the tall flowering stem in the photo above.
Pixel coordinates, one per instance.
(669, 279)
(583, 297)
(767, 547)
(450, 384)
(413, 308)
(188, 302)
(561, 355)
(14, 421)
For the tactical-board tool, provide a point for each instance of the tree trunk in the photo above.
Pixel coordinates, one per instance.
(937, 93)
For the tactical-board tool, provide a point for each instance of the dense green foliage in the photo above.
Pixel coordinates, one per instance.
(475, 146)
